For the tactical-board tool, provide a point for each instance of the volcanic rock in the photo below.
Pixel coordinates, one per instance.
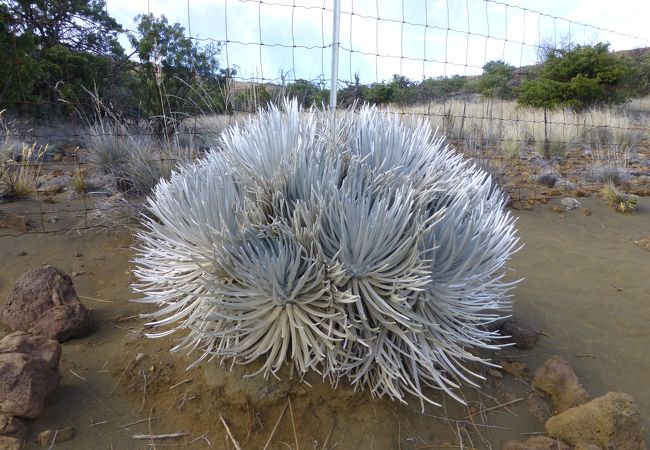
(12, 433)
(611, 422)
(557, 378)
(523, 333)
(43, 301)
(28, 373)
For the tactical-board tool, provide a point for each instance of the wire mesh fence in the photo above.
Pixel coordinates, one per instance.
(458, 65)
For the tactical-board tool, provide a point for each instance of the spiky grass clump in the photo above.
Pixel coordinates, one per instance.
(19, 176)
(618, 201)
(373, 253)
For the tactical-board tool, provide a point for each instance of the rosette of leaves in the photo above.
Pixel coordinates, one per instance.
(370, 252)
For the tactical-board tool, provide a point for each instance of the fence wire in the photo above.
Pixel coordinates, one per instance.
(415, 58)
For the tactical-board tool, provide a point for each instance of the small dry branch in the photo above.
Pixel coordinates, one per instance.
(159, 436)
(499, 406)
(225, 425)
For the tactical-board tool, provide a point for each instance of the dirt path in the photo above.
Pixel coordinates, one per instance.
(586, 285)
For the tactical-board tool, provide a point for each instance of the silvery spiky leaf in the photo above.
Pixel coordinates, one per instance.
(370, 252)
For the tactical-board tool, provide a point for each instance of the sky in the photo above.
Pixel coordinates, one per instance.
(272, 40)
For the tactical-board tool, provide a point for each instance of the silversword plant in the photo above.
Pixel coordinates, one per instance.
(370, 252)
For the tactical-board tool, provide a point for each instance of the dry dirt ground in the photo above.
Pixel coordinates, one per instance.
(586, 284)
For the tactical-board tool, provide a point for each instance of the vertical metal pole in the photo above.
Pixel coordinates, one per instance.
(336, 26)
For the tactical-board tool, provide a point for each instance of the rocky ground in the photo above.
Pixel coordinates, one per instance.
(76, 370)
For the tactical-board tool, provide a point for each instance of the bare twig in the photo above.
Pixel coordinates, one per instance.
(499, 406)
(185, 443)
(138, 421)
(293, 424)
(98, 423)
(225, 425)
(95, 299)
(462, 447)
(268, 442)
(248, 416)
(329, 433)
(186, 380)
(159, 436)
(77, 375)
(399, 431)
(144, 391)
(56, 432)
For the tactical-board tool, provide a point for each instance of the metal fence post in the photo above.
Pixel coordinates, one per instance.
(336, 21)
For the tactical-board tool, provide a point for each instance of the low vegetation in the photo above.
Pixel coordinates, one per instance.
(171, 99)
(618, 201)
(19, 175)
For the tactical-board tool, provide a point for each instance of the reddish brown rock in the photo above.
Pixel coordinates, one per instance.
(523, 333)
(48, 438)
(12, 427)
(644, 243)
(536, 443)
(515, 368)
(14, 222)
(24, 383)
(557, 378)
(611, 422)
(538, 407)
(43, 301)
(27, 378)
(10, 443)
(36, 346)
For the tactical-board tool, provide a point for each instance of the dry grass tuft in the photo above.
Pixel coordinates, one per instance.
(19, 175)
(620, 202)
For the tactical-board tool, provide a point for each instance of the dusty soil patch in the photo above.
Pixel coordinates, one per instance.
(586, 284)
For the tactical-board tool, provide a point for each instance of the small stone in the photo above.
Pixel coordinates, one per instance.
(538, 407)
(557, 378)
(14, 222)
(557, 209)
(77, 255)
(48, 437)
(22, 253)
(521, 204)
(10, 443)
(585, 211)
(12, 427)
(644, 243)
(515, 368)
(53, 219)
(495, 374)
(521, 332)
(78, 273)
(570, 203)
(55, 185)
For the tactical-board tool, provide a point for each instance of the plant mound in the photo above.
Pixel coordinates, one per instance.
(372, 252)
